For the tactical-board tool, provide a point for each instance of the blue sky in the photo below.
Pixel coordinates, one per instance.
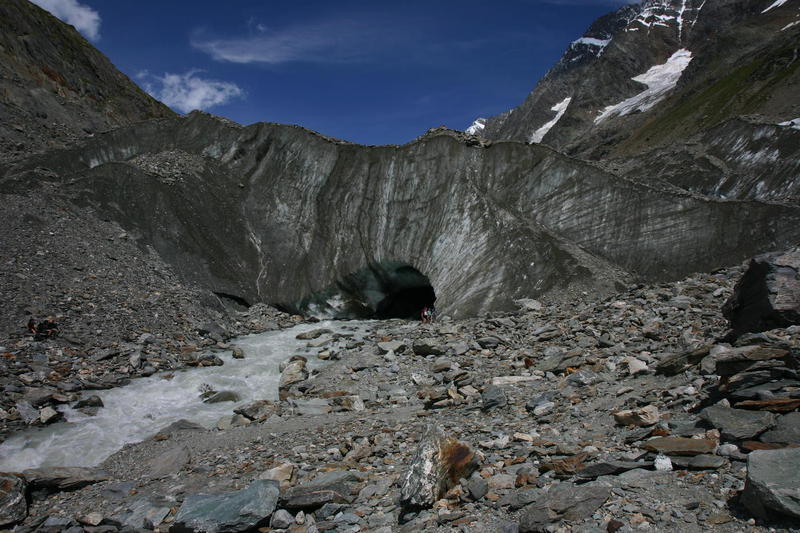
(365, 71)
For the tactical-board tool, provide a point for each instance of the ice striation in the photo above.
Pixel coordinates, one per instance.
(559, 108)
(659, 79)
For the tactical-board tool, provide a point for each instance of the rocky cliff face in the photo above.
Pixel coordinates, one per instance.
(56, 87)
(274, 213)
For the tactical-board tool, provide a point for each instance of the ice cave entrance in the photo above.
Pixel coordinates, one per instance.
(384, 289)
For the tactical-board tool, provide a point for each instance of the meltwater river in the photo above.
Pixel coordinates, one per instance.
(137, 411)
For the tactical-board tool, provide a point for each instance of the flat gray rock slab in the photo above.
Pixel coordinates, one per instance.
(786, 430)
(59, 478)
(146, 513)
(699, 462)
(773, 483)
(240, 510)
(738, 424)
(169, 462)
(564, 501)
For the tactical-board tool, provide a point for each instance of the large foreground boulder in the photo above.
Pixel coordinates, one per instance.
(241, 510)
(773, 484)
(440, 462)
(768, 294)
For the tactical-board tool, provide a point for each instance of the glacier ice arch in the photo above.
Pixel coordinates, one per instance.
(382, 289)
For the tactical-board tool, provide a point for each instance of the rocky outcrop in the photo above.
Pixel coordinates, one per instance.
(768, 295)
(275, 213)
(56, 87)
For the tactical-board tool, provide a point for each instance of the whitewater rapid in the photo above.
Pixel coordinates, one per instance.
(137, 411)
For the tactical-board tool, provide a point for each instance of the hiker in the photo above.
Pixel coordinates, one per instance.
(425, 315)
(32, 326)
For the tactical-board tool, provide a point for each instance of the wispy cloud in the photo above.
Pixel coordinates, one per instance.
(85, 19)
(324, 42)
(188, 91)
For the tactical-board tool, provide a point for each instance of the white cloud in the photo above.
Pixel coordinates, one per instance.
(327, 42)
(85, 19)
(187, 92)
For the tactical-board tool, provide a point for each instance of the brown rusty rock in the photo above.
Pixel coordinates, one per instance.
(777, 405)
(753, 445)
(440, 462)
(565, 467)
(680, 446)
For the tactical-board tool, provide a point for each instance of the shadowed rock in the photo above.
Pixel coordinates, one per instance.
(768, 294)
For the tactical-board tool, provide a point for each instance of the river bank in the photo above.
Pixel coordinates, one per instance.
(536, 395)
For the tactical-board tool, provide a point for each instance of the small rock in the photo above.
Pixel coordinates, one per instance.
(583, 378)
(662, 463)
(645, 416)
(493, 397)
(48, 415)
(281, 519)
(222, 396)
(313, 334)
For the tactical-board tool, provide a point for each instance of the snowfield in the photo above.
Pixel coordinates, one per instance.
(660, 79)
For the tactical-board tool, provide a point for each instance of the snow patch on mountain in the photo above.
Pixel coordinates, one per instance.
(776, 3)
(666, 13)
(596, 45)
(790, 25)
(660, 79)
(559, 108)
(477, 127)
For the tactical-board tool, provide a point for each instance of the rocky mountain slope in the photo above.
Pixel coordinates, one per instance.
(663, 72)
(56, 87)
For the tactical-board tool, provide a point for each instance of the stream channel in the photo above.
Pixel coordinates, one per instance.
(135, 412)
